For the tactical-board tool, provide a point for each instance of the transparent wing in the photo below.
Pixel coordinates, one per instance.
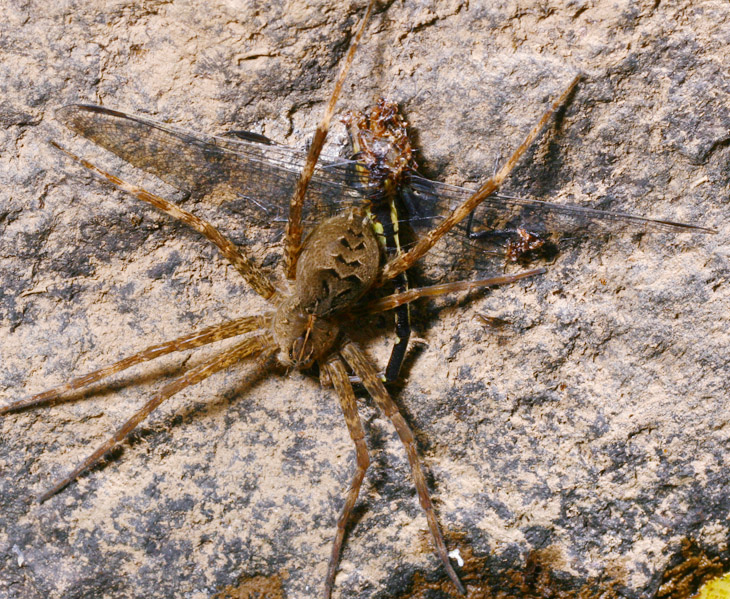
(479, 244)
(242, 166)
(261, 175)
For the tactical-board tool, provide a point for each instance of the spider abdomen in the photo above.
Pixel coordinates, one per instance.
(338, 263)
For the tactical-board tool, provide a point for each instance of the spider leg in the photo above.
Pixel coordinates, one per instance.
(404, 296)
(374, 385)
(341, 382)
(294, 229)
(197, 339)
(242, 263)
(389, 302)
(405, 261)
(253, 345)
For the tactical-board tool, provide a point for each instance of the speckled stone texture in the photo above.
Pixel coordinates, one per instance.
(580, 450)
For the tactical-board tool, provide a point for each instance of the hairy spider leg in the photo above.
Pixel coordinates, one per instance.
(405, 261)
(294, 229)
(206, 336)
(253, 275)
(341, 382)
(362, 367)
(260, 344)
(390, 302)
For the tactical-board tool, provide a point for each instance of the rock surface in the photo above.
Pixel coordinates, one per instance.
(581, 450)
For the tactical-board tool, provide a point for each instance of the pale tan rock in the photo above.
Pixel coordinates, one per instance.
(589, 438)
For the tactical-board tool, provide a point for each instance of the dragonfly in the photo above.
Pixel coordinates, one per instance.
(260, 176)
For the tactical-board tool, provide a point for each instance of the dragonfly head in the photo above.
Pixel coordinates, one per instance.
(379, 140)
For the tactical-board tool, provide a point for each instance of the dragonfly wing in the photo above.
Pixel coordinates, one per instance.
(241, 167)
(480, 245)
(261, 175)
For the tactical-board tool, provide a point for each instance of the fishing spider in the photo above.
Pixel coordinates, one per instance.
(331, 270)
